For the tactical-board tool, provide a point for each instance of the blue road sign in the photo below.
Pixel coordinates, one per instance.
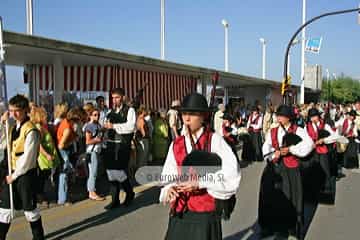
(313, 45)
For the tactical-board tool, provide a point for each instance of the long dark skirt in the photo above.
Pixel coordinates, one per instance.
(248, 152)
(350, 155)
(256, 141)
(280, 199)
(195, 226)
(328, 183)
(314, 173)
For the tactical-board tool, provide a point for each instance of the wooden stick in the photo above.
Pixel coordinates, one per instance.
(9, 168)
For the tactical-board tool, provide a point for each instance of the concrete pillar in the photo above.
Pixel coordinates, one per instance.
(226, 95)
(58, 80)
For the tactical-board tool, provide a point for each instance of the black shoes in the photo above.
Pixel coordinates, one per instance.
(129, 198)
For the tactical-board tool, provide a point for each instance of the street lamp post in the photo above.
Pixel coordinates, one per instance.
(226, 26)
(162, 30)
(298, 31)
(29, 17)
(328, 83)
(263, 42)
(302, 88)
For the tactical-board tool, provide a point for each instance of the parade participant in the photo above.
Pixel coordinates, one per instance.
(281, 204)
(120, 124)
(195, 203)
(24, 144)
(318, 175)
(228, 132)
(348, 129)
(254, 127)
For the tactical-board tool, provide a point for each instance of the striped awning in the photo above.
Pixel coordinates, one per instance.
(160, 88)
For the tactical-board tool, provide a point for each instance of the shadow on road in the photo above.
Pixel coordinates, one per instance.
(253, 232)
(146, 198)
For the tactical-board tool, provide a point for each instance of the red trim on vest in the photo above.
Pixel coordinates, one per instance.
(290, 161)
(255, 121)
(200, 201)
(345, 127)
(227, 138)
(320, 149)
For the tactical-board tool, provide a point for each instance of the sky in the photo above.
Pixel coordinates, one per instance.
(194, 33)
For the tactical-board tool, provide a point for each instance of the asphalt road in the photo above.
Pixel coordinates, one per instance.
(146, 219)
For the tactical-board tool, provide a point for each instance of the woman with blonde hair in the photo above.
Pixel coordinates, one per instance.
(48, 158)
(60, 111)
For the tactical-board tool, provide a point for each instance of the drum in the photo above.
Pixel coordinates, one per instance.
(341, 147)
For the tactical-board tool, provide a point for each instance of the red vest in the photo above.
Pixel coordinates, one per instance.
(228, 139)
(199, 201)
(290, 161)
(345, 127)
(320, 149)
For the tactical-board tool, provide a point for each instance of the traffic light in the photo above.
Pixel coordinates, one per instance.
(285, 85)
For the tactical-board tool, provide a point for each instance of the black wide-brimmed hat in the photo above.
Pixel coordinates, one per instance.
(285, 110)
(313, 112)
(194, 102)
(353, 113)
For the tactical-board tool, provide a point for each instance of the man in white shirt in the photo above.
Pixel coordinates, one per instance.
(120, 127)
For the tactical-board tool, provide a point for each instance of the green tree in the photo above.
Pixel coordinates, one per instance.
(341, 90)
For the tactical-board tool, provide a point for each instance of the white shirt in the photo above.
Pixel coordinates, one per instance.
(258, 124)
(333, 134)
(302, 149)
(28, 160)
(229, 174)
(127, 127)
(339, 124)
(218, 122)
